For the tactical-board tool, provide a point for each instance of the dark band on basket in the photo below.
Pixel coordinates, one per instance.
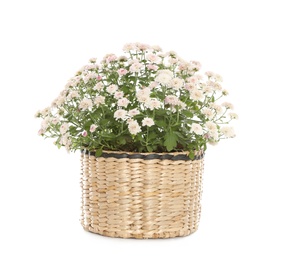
(183, 157)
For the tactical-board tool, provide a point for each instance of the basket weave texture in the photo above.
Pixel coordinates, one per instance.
(133, 195)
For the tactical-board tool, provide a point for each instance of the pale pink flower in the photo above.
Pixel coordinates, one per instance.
(41, 131)
(212, 127)
(142, 46)
(156, 48)
(153, 103)
(147, 122)
(233, 115)
(99, 86)
(64, 128)
(153, 85)
(176, 83)
(45, 123)
(84, 133)
(120, 114)
(143, 95)
(93, 127)
(55, 120)
(207, 89)
(209, 74)
(197, 129)
(153, 58)
(228, 105)
(122, 71)
(218, 108)
(93, 60)
(171, 100)
(217, 86)
(46, 111)
(64, 140)
(118, 94)
(98, 77)
(196, 94)
(136, 67)
(112, 89)
(228, 131)
(99, 100)
(189, 87)
(152, 67)
(86, 103)
(73, 94)
(196, 64)
(133, 112)
(163, 78)
(123, 102)
(134, 127)
(172, 60)
(110, 57)
(129, 47)
(208, 113)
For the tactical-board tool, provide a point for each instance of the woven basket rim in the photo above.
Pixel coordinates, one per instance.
(183, 155)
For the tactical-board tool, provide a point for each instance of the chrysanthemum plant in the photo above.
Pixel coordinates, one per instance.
(145, 101)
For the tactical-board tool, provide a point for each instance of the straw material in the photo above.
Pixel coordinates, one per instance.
(133, 195)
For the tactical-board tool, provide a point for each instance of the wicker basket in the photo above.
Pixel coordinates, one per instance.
(133, 195)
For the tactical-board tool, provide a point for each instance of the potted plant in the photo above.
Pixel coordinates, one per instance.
(142, 122)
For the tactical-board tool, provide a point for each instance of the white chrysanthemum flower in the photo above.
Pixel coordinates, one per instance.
(46, 111)
(136, 67)
(134, 127)
(153, 85)
(143, 95)
(99, 86)
(153, 103)
(153, 58)
(64, 140)
(228, 131)
(45, 123)
(64, 128)
(60, 100)
(233, 115)
(217, 86)
(123, 102)
(147, 122)
(197, 129)
(129, 47)
(112, 89)
(176, 83)
(73, 94)
(55, 120)
(196, 94)
(120, 114)
(163, 78)
(93, 127)
(133, 112)
(172, 100)
(228, 105)
(86, 103)
(99, 100)
(208, 113)
(219, 109)
(225, 92)
(156, 48)
(211, 126)
(118, 94)
(207, 89)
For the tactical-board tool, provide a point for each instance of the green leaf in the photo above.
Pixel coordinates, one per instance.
(170, 141)
(161, 123)
(98, 152)
(149, 149)
(192, 155)
(187, 113)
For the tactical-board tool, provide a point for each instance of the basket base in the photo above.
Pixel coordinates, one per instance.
(141, 235)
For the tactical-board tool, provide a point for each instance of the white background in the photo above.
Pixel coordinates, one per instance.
(43, 43)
